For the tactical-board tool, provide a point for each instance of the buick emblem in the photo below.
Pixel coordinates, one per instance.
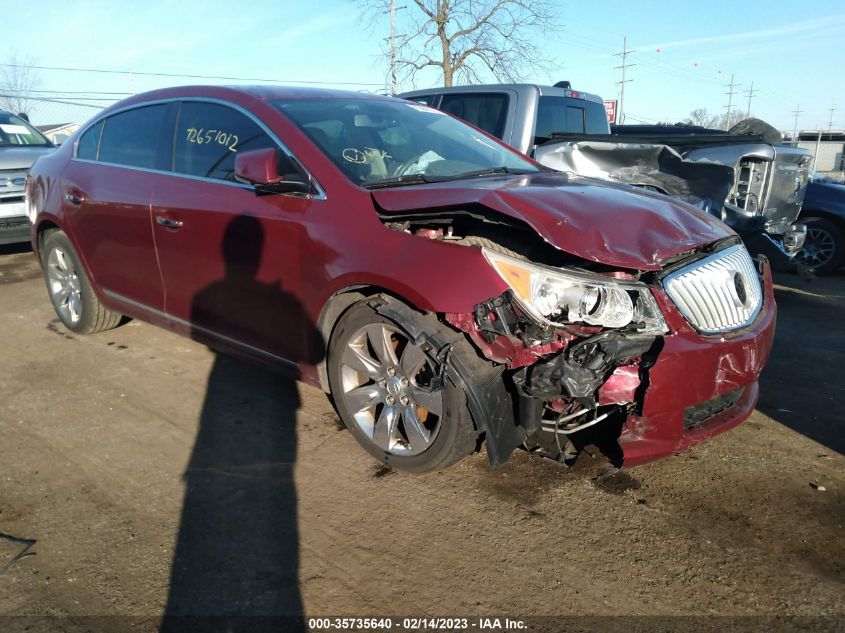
(739, 287)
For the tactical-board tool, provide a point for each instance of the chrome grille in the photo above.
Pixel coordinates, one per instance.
(719, 293)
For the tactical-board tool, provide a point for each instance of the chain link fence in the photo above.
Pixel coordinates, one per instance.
(56, 118)
(828, 150)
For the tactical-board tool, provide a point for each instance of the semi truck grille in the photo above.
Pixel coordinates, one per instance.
(719, 293)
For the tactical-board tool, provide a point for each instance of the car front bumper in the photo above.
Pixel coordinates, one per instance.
(699, 386)
(15, 229)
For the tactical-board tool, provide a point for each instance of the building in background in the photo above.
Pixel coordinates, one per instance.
(58, 133)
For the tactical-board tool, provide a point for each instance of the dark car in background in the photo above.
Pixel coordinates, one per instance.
(448, 292)
(823, 212)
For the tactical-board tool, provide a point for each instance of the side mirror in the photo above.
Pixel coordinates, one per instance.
(260, 167)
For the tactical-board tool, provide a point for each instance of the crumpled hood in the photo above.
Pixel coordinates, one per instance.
(597, 220)
(21, 157)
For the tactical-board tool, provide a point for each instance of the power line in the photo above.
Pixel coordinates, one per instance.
(624, 55)
(730, 94)
(45, 100)
(392, 39)
(176, 75)
(832, 110)
(796, 113)
(750, 93)
(642, 119)
(80, 92)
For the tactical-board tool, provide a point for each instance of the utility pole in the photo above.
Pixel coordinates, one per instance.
(624, 55)
(832, 110)
(730, 94)
(750, 93)
(392, 40)
(796, 113)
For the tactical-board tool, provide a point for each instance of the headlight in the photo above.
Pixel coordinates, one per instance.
(558, 296)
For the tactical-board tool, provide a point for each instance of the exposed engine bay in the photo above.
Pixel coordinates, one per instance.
(574, 387)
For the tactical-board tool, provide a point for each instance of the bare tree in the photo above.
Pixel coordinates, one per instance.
(724, 121)
(465, 39)
(729, 119)
(17, 81)
(702, 117)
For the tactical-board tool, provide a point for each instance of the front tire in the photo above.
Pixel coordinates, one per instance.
(385, 388)
(70, 291)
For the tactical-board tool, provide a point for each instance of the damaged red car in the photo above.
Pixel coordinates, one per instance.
(449, 293)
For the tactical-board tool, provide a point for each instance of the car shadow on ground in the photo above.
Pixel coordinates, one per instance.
(803, 385)
(236, 561)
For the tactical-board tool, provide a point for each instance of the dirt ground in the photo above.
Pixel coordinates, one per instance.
(124, 455)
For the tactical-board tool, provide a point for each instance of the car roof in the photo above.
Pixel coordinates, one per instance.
(551, 91)
(257, 91)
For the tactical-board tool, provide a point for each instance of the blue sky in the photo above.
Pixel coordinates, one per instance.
(686, 52)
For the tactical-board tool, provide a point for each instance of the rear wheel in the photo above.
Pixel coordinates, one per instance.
(386, 388)
(70, 292)
(824, 248)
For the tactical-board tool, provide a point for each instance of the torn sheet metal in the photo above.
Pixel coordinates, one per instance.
(746, 177)
(702, 184)
(621, 387)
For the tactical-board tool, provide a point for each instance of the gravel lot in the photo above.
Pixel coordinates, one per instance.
(157, 476)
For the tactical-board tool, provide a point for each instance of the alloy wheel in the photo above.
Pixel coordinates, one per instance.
(63, 285)
(386, 382)
(819, 247)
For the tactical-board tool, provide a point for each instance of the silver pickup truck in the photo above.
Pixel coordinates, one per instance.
(20, 145)
(746, 177)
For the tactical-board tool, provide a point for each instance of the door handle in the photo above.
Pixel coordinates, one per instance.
(170, 223)
(75, 198)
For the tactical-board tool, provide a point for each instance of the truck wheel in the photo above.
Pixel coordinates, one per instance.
(70, 291)
(384, 387)
(824, 249)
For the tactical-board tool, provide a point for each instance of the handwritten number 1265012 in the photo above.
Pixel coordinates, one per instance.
(201, 136)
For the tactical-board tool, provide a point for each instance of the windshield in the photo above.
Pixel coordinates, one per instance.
(15, 131)
(381, 142)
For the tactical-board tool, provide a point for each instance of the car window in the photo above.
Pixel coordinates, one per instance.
(89, 142)
(209, 136)
(569, 115)
(15, 131)
(486, 111)
(137, 138)
(428, 100)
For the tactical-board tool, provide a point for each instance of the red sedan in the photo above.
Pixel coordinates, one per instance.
(448, 292)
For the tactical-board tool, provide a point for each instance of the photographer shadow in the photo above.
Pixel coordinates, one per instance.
(236, 561)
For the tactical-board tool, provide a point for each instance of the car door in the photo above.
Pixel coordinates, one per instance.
(106, 198)
(230, 259)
